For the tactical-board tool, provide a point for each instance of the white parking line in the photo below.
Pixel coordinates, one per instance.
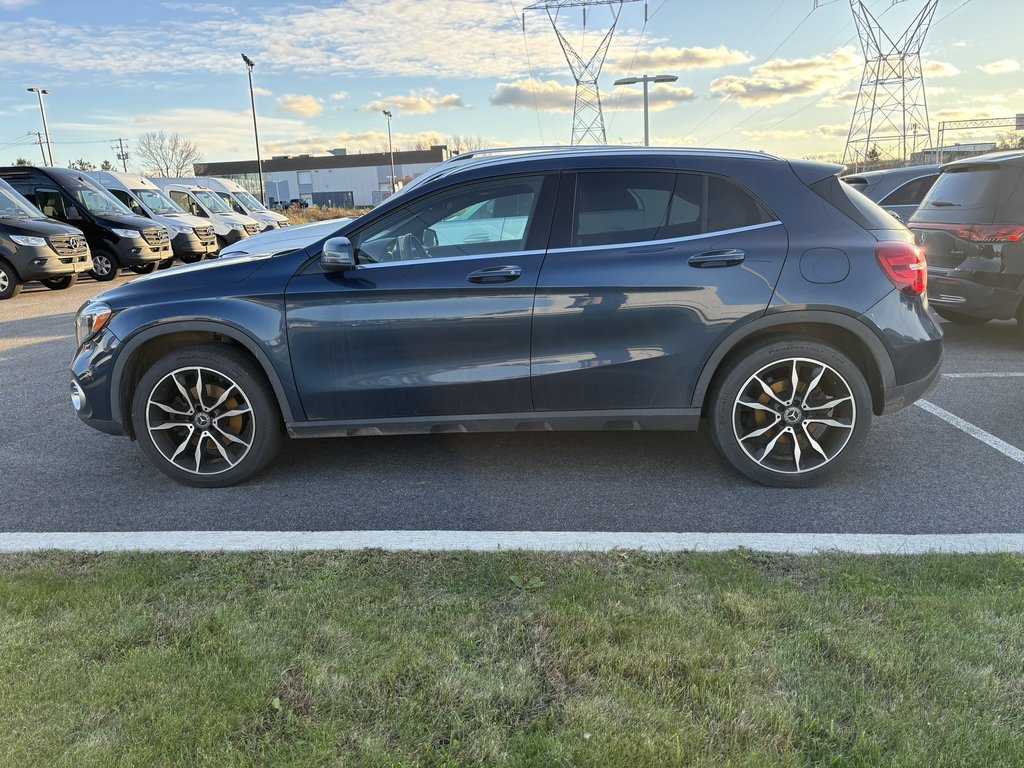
(1007, 375)
(491, 541)
(977, 432)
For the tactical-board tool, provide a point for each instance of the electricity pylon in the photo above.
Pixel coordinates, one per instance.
(890, 120)
(587, 118)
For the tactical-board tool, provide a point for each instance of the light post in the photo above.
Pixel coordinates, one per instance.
(40, 92)
(645, 80)
(249, 64)
(391, 150)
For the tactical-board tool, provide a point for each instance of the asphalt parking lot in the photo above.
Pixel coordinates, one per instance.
(919, 474)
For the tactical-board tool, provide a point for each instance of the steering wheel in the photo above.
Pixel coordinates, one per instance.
(410, 248)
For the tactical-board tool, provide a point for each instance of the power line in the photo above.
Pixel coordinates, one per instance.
(529, 64)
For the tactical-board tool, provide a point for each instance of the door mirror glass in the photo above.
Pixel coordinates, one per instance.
(337, 255)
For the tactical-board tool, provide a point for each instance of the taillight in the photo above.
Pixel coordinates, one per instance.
(997, 233)
(904, 265)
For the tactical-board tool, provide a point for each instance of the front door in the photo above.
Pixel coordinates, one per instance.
(435, 318)
(653, 269)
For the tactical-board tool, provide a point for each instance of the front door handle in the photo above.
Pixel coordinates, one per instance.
(503, 274)
(725, 258)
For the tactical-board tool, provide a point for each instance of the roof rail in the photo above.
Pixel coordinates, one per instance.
(579, 148)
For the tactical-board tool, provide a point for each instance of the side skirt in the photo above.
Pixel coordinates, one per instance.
(686, 419)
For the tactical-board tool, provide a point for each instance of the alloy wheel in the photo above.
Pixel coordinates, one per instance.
(101, 264)
(5, 280)
(794, 415)
(200, 420)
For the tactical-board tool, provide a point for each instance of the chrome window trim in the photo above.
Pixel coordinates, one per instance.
(442, 259)
(686, 238)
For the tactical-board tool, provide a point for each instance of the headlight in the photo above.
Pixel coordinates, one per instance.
(180, 229)
(238, 227)
(90, 320)
(129, 233)
(28, 240)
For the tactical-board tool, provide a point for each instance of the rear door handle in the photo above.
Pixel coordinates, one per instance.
(503, 274)
(725, 258)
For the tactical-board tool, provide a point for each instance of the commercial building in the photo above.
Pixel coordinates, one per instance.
(337, 179)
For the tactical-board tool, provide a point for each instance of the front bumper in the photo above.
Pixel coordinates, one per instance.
(955, 290)
(42, 263)
(133, 252)
(191, 246)
(92, 373)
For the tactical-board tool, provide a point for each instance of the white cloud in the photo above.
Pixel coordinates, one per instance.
(668, 59)
(834, 130)
(934, 69)
(547, 95)
(417, 103)
(779, 80)
(304, 106)
(12, 4)
(262, 91)
(339, 95)
(1000, 67)
(201, 8)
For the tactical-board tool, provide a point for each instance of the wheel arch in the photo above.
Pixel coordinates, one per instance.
(852, 337)
(147, 346)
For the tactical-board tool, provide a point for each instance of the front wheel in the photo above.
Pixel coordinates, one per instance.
(104, 266)
(60, 283)
(143, 269)
(790, 412)
(206, 416)
(10, 283)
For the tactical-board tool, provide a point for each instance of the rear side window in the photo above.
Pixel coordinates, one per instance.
(51, 203)
(978, 186)
(911, 193)
(615, 207)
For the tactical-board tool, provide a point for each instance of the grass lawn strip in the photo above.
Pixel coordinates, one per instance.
(518, 659)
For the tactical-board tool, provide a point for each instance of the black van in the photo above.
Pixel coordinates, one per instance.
(117, 237)
(33, 247)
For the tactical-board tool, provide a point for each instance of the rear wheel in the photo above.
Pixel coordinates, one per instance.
(10, 283)
(790, 412)
(60, 283)
(143, 269)
(206, 416)
(957, 319)
(104, 266)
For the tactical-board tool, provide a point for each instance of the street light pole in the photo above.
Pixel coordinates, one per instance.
(645, 80)
(40, 92)
(391, 150)
(249, 64)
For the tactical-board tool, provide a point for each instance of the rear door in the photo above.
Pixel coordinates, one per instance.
(650, 271)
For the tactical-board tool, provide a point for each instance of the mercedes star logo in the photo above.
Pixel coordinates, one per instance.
(73, 243)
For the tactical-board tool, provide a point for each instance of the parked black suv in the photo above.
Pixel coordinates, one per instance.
(572, 288)
(117, 237)
(971, 229)
(33, 247)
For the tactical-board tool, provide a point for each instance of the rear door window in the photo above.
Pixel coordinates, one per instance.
(731, 207)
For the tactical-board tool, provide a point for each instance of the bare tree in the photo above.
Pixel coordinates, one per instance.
(166, 154)
(428, 140)
(457, 144)
(22, 161)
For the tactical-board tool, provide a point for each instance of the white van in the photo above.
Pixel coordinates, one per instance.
(236, 196)
(203, 202)
(192, 237)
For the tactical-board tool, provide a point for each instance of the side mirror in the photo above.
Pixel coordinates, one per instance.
(337, 255)
(895, 216)
(429, 238)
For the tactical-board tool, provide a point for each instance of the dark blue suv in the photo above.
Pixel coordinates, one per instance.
(535, 289)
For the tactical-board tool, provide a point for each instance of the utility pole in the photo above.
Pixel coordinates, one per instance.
(122, 155)
(39, 141)
(391, 150)
(40, 92)
(249, 64)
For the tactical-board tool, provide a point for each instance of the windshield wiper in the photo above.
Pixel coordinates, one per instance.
(945, 204)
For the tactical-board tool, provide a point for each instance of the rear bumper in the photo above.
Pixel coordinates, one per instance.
(949, 289)
(900, 396)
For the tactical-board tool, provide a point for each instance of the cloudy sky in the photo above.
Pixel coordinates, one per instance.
(777, 75)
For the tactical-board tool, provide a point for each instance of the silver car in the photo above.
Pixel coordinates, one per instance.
(898, 190)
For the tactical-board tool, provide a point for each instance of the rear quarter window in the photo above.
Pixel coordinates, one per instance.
(854, 205)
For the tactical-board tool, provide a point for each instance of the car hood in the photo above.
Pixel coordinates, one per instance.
(198, 277)
(185, 219)
(37, 227)
(236, 218)
(125, 221)
(288, 238)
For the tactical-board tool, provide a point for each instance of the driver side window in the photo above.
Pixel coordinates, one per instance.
(470, 220)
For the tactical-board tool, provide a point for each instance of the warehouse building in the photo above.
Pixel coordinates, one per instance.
(334, 180)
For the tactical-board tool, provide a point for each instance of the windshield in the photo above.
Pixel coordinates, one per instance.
(96, 199)
(230, 202)
(250, 202)
(211, 201)
(157, 202)
(13, 205)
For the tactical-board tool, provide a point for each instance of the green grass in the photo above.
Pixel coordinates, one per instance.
(515, 659)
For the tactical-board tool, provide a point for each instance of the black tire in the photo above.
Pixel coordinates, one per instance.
(105, 266)
(143, 269)
(957, 319)
(60, 283)
(166, 264)
(10, 283)
(249, 438)
(191, 258)
(772, 424)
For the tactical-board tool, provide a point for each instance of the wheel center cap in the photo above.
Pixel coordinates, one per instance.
(792, 415)
(202, 420)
